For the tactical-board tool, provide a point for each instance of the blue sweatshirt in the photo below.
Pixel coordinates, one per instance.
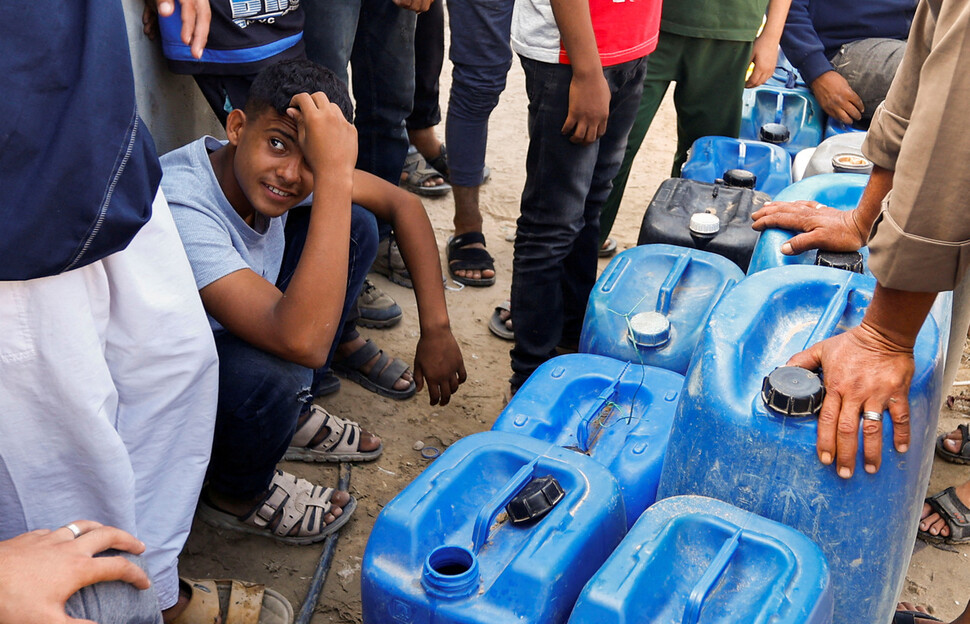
(816, 29)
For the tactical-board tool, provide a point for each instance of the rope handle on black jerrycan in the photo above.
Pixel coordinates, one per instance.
(695, 603)
(549, 489)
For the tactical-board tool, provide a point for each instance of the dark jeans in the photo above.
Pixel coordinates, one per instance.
(224, 93)
(482, 57)
(554, 267)
(429, 56)
(261, 395)
(377, 39)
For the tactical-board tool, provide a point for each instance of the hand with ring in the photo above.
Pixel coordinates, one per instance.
(40, 570)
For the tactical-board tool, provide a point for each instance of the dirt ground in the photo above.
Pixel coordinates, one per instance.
(938, 577)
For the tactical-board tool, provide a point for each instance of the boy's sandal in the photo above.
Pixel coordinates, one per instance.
(232, 602)
(327, 438)
(390, 263)
(440, 163)
(963, 457)
(382, 375)
(290, 503)
(954, 513)
(417, 172)
(464, 258)
(497, 325)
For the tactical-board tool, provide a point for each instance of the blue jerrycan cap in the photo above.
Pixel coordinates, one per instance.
(535, 500)
(847, 261)
(793, 391)
(649, 329)
(774, 133)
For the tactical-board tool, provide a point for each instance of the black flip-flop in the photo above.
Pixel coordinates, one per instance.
(497, 326)
(463, 258)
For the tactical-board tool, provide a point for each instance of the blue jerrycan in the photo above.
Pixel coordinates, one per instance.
(785, 74)
(500, 528)
(835, 127)
(697, 560)
(616, 412)
(791, 118)
(651, 303)
(836, 190)
(745, 433)
(752, 164)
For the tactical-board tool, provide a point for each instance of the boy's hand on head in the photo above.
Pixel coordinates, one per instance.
(196, 16)
(328, 140)
(589, 108)
(437, 360)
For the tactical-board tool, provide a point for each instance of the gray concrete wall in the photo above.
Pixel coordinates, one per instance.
(171, 105)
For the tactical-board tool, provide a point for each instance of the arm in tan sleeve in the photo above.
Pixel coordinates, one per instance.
(921, 239)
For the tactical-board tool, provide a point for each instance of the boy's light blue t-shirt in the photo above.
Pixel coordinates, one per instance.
(216, 239)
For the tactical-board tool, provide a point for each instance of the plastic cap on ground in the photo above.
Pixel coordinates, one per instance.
(793, 391)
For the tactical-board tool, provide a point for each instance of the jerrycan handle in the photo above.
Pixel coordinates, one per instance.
(742, 154)
(830, 318)
(488, 513)
(670, 283)
(605, 398)
(780, 108)
(714, 571)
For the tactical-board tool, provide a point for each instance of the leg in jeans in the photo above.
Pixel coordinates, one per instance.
(558, 229)
(429, 56)
(663, 69)
(363, 250)
(869, 66)
(482, 56)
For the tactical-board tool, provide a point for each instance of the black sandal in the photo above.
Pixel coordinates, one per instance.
(464, 258)
(963, 457)
(954, 513)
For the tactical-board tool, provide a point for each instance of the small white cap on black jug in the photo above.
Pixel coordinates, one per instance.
(649, 329)
(704, 223)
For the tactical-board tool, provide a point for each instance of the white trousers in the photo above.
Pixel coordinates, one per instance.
(108, 389)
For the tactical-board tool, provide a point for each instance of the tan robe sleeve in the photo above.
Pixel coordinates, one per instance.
(921, 239)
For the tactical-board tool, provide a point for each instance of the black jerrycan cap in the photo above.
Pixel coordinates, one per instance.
(740, 178)
(847, 261)
(793, 391)
(774, 133)
(535, 500)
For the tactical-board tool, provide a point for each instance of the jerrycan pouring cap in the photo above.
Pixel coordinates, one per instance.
(774, 133)
(793, 391)
(740, 178)
(649, 329)
(535, 500)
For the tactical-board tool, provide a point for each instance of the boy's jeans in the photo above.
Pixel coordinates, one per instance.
(261, 396)
(556, 243)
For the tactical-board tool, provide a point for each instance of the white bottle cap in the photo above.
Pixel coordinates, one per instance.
(649, 329)
(704, 223)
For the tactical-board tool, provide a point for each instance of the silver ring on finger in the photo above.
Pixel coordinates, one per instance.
(870, 415)
(73, 528)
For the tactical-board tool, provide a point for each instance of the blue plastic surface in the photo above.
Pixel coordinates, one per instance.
(833, 127)
(711, 156)
(680, 283)
(616, 412)
(837, 190)
(691, 559)
(796, 109)
(727, 445)
(443, 551)
(785, 74)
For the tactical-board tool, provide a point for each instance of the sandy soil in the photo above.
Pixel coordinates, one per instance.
(938, 577)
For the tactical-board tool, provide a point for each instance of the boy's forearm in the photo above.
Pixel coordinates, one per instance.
(420, 252)
(576, 28)
(775, 20)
